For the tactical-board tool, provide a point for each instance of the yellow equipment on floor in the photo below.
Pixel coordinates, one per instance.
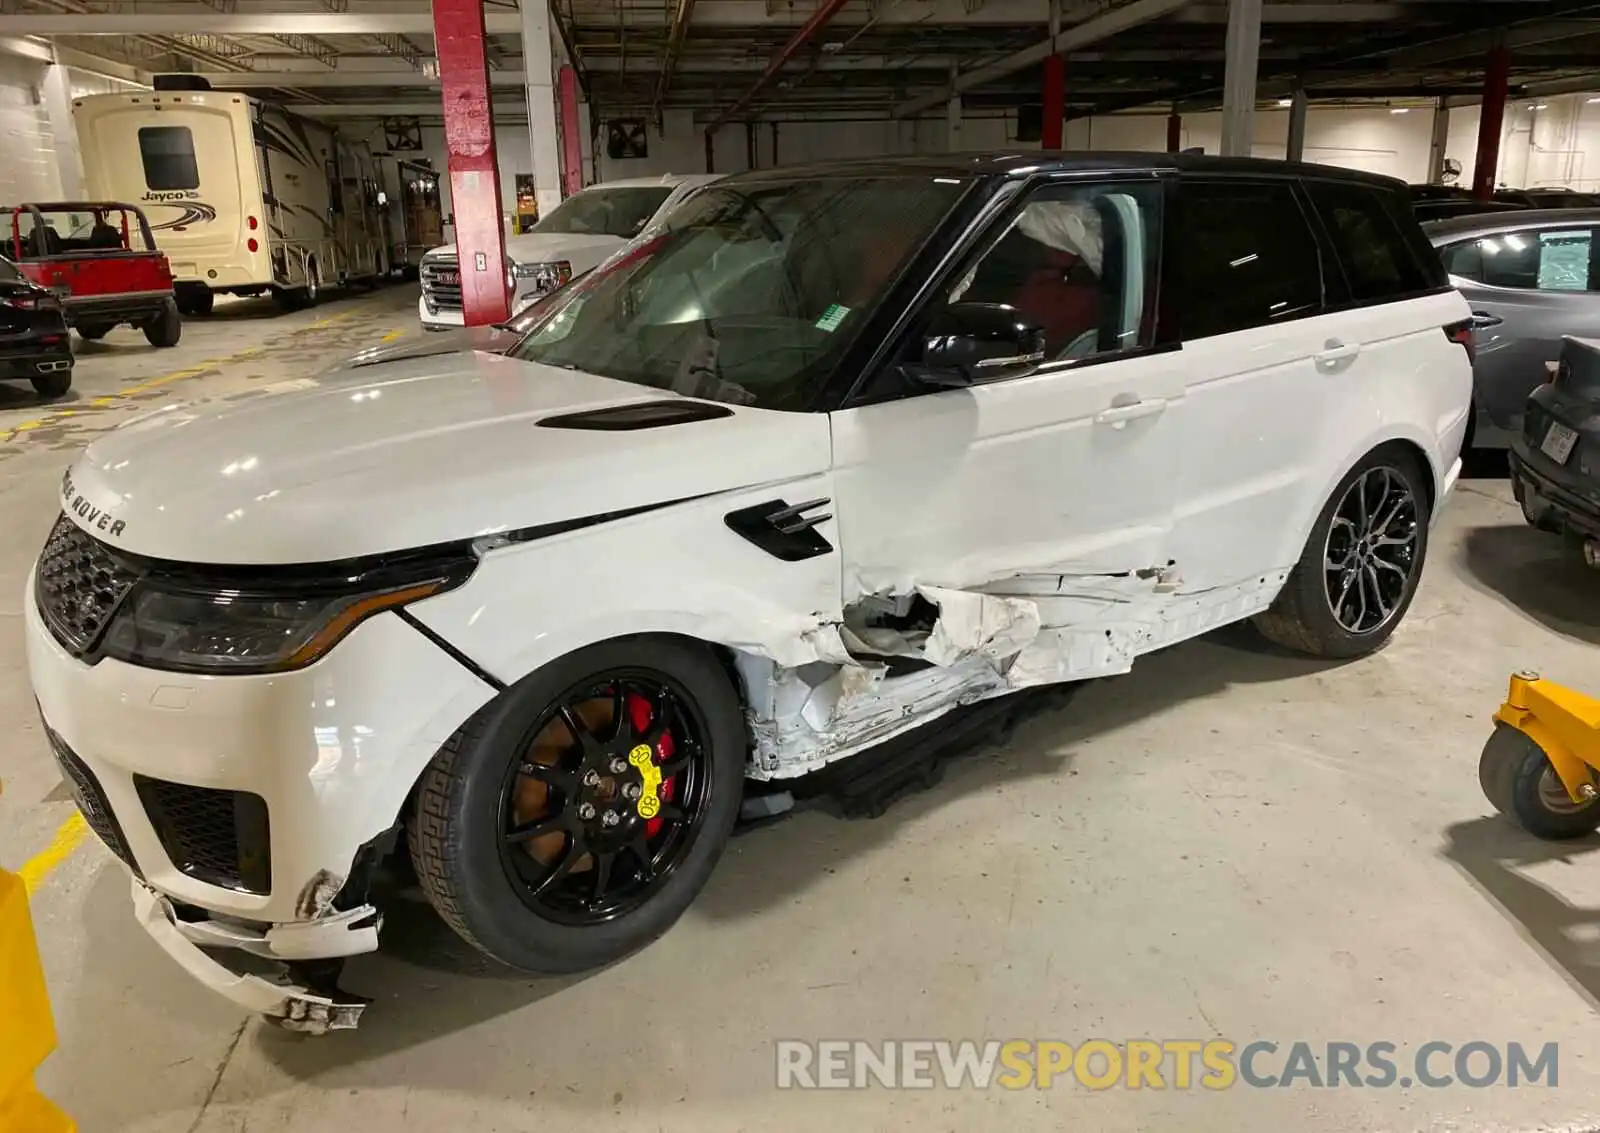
(1541, 767)
(27, 1033)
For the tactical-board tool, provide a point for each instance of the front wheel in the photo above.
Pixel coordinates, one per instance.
(94, 332)
(1360, 567)
(167, 327)
(574, 819)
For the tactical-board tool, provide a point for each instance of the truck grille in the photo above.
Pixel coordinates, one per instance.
(441, 283)
(91, 800)
(78, 586)
(218, 837)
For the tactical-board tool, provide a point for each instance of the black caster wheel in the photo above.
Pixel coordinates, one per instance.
(1519, 782)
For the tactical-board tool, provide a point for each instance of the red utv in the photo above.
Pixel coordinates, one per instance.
(100, 258)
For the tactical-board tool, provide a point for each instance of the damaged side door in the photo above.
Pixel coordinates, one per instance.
(1016, 531)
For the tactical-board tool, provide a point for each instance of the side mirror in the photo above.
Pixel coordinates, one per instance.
(972, 343)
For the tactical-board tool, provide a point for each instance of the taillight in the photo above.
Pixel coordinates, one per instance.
(21, 302)
(1461, 334)
(252, 245)
(250, 223)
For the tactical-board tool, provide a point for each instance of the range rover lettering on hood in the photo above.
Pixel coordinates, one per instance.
(73, 500)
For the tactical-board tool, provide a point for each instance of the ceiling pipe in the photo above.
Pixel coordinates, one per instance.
(819, 19)
(669, 58)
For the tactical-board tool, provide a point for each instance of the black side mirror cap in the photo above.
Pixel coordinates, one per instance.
(972, 343)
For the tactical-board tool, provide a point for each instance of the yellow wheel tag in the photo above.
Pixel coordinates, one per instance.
(649, 804)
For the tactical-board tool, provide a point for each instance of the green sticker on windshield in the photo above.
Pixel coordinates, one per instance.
(832, 317)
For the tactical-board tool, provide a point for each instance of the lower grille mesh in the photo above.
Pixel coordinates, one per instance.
(218, 837)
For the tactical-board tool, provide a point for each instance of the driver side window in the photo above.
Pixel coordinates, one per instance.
(1079, 260)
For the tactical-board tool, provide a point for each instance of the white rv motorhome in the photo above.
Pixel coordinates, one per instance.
(243, 197)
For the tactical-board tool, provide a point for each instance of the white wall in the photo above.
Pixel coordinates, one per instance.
(28, 169)
(1544, 142)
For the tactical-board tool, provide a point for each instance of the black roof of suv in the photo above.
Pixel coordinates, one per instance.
(1013, 163)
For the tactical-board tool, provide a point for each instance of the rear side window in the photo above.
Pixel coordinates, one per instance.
(168, 156)
(1379, 261)
(1556, 259)
(1243, 256)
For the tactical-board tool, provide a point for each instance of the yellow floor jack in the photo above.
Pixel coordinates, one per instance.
(1541, 767)
(27, 1033)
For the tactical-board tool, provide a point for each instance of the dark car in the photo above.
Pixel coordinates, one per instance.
(1548, 198)
(1555, 460)
(33, 334)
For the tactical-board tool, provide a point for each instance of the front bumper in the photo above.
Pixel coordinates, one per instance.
(330, 751)
(292, 1001)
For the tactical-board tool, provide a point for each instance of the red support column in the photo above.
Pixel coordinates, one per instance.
(1491, 119)
(469, 143)
(1174, 132)
(1055, 97)
(571, 139)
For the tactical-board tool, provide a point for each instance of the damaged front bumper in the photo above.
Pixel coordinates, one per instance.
(265, 969)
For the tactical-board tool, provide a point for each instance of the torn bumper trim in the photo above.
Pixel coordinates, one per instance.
(295, 1006)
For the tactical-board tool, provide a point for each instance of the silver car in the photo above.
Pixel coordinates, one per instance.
(1530, 278)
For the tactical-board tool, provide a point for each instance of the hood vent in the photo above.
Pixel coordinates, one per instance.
(641, 415)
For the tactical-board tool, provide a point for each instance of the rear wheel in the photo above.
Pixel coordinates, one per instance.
(576, 817)
(54, 384)
(195, 299)
(94, 332)
(167, 327)
(1360, 567)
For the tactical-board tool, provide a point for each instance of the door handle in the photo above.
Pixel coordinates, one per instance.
(1335, 351)
(1120, 414)
(1484, 319)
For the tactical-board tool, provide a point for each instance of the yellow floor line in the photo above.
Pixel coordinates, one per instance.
(42, 864)
(392, 335)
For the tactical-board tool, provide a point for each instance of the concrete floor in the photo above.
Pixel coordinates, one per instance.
(1227, 842)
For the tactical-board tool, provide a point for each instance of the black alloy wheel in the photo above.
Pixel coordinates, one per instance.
(602, 807)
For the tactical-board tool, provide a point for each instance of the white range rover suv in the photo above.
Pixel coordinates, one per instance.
(841, 463)
(578, 234)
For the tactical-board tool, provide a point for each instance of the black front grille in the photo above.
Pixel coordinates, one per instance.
(436, 273)
(91, 800)
(78, 586)
(218, 837)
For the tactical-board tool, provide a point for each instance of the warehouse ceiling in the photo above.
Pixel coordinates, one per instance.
(872, 58)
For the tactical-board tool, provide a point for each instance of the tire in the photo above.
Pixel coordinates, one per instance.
(195, 300)
(311, 293)
(1497, 766)
(1303, 617)
(94, 332)
(471, 792)
(167, 327)
(1525, 787)
(52, 385)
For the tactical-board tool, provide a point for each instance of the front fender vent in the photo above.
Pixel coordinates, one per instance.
(640, 415)
(784, 530)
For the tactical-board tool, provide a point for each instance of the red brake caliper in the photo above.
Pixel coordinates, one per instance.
(639, 716)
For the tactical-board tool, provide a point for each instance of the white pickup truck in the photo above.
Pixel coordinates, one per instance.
(577, 235)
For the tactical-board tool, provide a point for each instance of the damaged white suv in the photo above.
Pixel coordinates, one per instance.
(841, 452)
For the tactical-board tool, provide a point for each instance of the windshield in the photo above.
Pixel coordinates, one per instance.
(606, 212)
(749, 293)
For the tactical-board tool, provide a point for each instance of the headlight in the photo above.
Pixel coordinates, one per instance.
(545, 277)
(177, 626)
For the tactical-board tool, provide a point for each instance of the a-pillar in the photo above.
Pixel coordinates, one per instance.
(1295, 148)
(1053, 113)
(1491, 119)
(469, 145)
(544, 138)
(1242, 53)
